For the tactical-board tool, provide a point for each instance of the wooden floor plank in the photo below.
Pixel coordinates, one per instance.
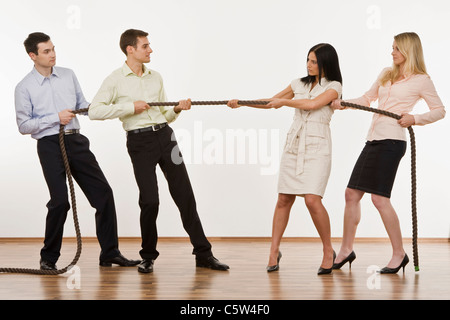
(175, 276)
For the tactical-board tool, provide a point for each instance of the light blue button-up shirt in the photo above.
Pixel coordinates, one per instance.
(39, 99)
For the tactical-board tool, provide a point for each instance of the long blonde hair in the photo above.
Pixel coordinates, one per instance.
(410, 46)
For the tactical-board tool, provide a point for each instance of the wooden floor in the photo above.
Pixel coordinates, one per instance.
(176, 278)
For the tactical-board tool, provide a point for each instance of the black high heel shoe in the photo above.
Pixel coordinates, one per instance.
(277, 266)
(327, 270)
(404, 262)
(349, 259)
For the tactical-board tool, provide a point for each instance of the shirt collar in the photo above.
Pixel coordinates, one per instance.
(404, 78)
(40, 78)
(323, 82)
(126, 70)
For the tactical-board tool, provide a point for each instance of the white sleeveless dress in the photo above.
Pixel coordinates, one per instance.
(306, 160)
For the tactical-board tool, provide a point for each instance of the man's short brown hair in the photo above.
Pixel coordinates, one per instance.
(130, 38)
(31, 43)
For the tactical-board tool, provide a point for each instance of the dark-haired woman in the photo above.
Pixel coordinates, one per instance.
(306, 161)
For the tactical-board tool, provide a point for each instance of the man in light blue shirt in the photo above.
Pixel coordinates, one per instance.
(44, 100)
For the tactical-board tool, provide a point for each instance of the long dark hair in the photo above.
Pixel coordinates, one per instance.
(328, 62)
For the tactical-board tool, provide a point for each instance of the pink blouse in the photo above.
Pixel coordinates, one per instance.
(399, 98)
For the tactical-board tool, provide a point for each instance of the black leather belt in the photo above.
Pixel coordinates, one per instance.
(71, 131)
(151, 128)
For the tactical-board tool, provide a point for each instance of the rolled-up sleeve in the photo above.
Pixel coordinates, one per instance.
(336, 86)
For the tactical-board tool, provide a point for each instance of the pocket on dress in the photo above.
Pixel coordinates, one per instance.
(292, 140)
(316, 141)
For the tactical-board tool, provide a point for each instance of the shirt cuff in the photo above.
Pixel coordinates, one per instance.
(171, 115)
(54, 119)
(429, 117)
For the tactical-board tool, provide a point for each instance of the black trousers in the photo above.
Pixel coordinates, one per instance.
(147, 149)
(87, 173)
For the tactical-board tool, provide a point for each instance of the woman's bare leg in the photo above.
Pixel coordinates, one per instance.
(280, 221)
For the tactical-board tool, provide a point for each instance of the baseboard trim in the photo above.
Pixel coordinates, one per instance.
(217, 239)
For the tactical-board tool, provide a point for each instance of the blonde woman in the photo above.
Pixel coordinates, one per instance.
(397, 90)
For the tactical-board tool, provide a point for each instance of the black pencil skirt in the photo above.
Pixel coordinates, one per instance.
(376, 167)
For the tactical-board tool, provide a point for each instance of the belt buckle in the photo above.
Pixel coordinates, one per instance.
(159, 126)
(70, 131)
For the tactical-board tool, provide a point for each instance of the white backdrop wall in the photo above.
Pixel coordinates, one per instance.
(218, 50)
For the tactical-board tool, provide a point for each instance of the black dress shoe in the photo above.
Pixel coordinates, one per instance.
(146, 266)
(47, 265)
(211, 263)
(120, 260)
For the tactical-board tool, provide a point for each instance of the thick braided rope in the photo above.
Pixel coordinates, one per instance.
(413, 173)
(208, 103)
(72, 192)
(75, 217)
(347, 104)
(223, 102)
